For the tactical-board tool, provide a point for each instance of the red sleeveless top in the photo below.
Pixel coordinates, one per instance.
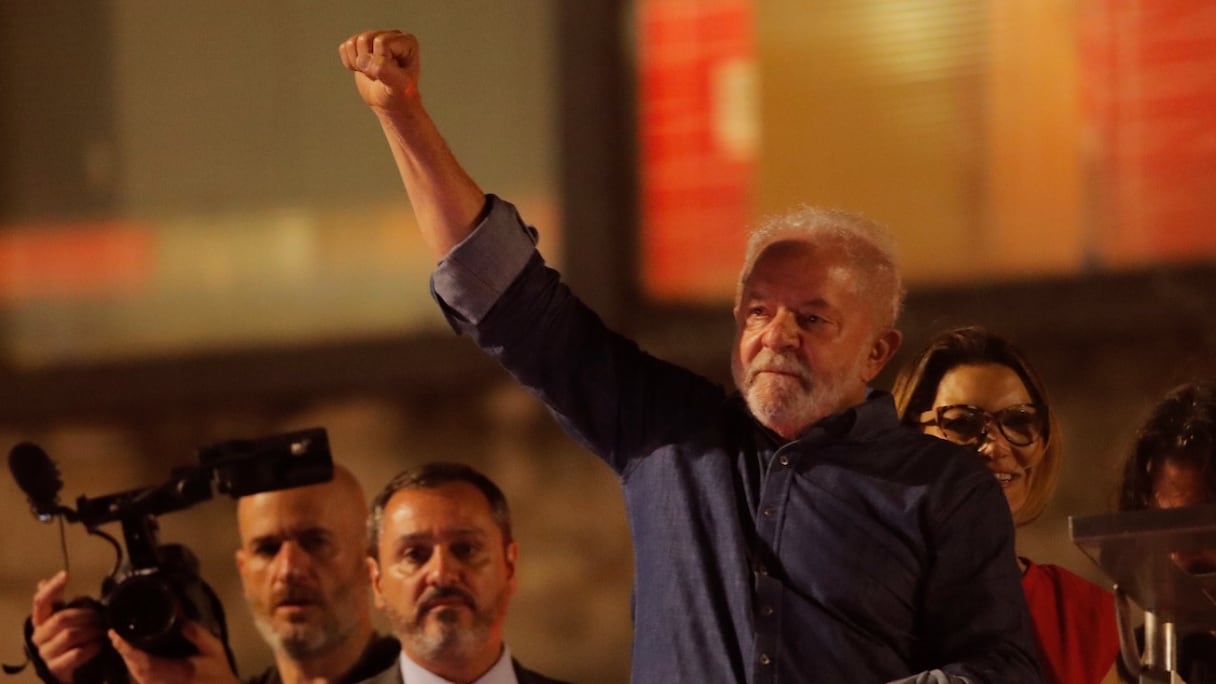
(1074, 625)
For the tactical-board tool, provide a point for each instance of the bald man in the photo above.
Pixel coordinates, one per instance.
(303, 572)
(303, 569)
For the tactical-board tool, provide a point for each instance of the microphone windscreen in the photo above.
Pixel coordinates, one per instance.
(36, 475)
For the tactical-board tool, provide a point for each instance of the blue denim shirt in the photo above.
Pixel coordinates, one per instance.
(859, 552)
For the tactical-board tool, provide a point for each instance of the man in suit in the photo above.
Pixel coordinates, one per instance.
(442, 563)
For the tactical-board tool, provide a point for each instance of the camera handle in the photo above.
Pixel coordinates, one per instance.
(140, 534)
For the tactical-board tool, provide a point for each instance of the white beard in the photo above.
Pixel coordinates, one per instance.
(787, 404)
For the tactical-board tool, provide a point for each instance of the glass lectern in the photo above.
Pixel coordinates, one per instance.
(1164, 561)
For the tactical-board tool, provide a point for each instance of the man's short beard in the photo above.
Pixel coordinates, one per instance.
(450, 641)
(785, 403)
(300, 641)
(338, 622)
(788, 410)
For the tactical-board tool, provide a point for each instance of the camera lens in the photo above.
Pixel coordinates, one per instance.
(144, 610)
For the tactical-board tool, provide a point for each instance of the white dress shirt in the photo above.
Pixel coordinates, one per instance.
(503, 671)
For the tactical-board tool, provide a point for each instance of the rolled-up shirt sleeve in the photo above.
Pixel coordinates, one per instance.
(475, 273)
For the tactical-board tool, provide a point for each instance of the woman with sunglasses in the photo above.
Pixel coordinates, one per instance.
(976, 389)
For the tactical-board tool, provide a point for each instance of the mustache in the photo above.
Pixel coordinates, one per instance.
(433, 596)
(295, 593)
(772, 362)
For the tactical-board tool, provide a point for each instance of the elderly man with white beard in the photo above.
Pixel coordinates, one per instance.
(790, 532)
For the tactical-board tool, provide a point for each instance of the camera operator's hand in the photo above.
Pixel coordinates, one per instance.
(210, 665)
(66, 638)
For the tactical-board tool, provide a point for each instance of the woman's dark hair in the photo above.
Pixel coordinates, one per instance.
(1180, 429)
(917, 383)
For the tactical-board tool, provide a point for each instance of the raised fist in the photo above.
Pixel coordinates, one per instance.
(385, 64)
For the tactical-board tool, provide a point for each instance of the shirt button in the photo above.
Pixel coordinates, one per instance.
(783, 460)
(766, 610)
(769, 511)
(764, 659)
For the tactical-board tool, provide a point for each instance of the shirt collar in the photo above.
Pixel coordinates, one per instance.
(503, 671)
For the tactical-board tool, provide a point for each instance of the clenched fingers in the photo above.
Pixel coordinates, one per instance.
(386, 67)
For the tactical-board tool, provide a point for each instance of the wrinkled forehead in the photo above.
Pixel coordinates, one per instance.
(789, 258)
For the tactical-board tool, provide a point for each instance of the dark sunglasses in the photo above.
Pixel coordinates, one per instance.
(1021, 424)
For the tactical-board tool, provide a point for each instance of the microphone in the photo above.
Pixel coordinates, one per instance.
(37, 476)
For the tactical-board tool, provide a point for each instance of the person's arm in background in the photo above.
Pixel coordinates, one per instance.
(446, 201)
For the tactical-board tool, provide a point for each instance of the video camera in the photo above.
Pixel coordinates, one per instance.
(148, 601)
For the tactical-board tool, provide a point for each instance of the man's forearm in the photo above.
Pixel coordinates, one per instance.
(445, 199)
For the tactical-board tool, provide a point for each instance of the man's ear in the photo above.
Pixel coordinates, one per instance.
(373, 573)
(239, 556)
(882, 349)
(512, 557)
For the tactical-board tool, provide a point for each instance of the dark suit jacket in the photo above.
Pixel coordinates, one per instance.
(525, 676)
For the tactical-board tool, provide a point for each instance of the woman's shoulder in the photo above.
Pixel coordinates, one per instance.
(1064, 583)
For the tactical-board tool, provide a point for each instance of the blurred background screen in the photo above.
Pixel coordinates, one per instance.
(202, 175)
(1000, 140)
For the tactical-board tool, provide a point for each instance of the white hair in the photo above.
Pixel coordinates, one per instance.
(866, 244)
